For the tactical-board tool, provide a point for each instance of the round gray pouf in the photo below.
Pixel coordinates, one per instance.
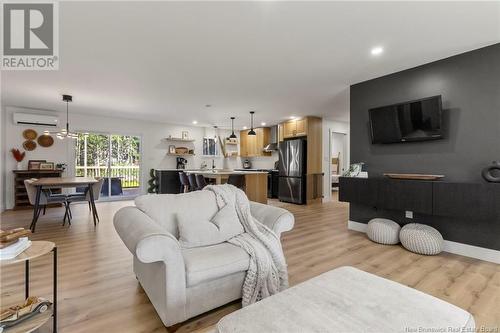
(421, 239)
(383, 231)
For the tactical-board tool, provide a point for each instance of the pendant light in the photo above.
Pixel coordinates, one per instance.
(251, 132)
(65, 132)
(232, 136)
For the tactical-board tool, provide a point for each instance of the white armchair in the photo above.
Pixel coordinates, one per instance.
(183, 283)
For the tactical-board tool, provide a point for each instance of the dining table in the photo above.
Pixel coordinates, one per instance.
(62, 182)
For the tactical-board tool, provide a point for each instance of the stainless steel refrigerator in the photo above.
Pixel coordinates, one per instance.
(292, 171)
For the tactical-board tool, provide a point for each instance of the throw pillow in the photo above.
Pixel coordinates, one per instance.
(224, 225)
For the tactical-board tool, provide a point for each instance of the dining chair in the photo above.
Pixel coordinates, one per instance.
(184, 182)
(80, 197)
(45, 199)
(201, 182)
(237, 180)
(192, 182)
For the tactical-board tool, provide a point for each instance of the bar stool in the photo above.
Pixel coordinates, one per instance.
(192, 182)
(201, 182)
(184, 182)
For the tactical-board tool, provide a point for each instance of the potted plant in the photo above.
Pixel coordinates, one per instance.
(18, 156)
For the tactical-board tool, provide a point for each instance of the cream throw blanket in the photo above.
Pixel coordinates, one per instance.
(267, 274)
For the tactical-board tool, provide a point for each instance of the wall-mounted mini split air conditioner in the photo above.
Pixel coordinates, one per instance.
(35, 119)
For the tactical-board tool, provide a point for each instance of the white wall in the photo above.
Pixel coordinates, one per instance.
(2, 157)
(330, 126)
(265, 162)
(2, 150)
(154, 149)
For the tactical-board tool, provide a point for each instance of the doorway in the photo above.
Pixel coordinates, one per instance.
(115, 157)
(338, 158)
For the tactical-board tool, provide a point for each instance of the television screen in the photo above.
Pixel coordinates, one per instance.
(405, 122)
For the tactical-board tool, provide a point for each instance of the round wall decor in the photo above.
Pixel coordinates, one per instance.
(29, 145)
(45, 141)
(492, 173)
(30, 134)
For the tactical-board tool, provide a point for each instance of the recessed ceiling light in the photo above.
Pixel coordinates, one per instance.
(263, 123)
(195, 122)
(377, 50)
(292, 117)
(244, 127)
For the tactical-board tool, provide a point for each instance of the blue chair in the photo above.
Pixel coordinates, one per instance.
(184, 182)
(193, 185)
(201, 182)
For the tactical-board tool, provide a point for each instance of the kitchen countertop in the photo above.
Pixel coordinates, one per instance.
(225, 172)
(257, 170)
(193, 170)
(174, 169)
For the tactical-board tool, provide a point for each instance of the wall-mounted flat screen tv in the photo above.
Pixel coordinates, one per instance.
(418, 120)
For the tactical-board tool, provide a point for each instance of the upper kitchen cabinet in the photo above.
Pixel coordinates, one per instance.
(253, 145)
(280, 132)
(294, 128)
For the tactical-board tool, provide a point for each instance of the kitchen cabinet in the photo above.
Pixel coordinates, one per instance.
(301, 127)
(253, 145)
(168, 181)
(281, 129)
(289, 129)
(295, 128)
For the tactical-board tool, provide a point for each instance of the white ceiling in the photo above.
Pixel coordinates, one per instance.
(167, 60)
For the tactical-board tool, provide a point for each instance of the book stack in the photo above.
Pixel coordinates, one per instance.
(13, 242)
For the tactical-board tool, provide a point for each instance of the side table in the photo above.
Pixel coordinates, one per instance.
(37, 249)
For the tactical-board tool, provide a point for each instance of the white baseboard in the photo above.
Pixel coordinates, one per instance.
(357, 226)
(449, 246)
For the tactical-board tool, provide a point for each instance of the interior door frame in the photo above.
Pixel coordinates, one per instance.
(72, 165)
(330, 139)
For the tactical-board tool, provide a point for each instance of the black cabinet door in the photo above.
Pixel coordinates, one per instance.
(358, 190)
(168, 181)
(470, 201)
(410, 195)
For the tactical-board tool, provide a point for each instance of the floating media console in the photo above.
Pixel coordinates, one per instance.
(467, 213)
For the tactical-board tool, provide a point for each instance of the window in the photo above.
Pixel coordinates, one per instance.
(115, 157)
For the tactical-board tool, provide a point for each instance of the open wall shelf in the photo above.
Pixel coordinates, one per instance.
(169, 154)
(179, 140)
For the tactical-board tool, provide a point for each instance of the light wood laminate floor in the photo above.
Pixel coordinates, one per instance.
(98, 291)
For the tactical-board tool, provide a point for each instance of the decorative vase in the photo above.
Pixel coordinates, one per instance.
(19, 166)
(492, 173)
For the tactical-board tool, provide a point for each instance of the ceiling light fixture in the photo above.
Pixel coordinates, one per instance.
(65, 132)
(195, 122)
(377, 50)
(232, 136)
(263, 123)
(251, 132)
(292, 117)
(244, 127)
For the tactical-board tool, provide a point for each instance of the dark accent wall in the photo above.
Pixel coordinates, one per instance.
(470, 87)
(469, 84)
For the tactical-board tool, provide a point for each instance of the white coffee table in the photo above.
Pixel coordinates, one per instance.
(347, 299)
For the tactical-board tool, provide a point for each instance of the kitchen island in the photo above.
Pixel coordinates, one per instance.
(255, 181)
